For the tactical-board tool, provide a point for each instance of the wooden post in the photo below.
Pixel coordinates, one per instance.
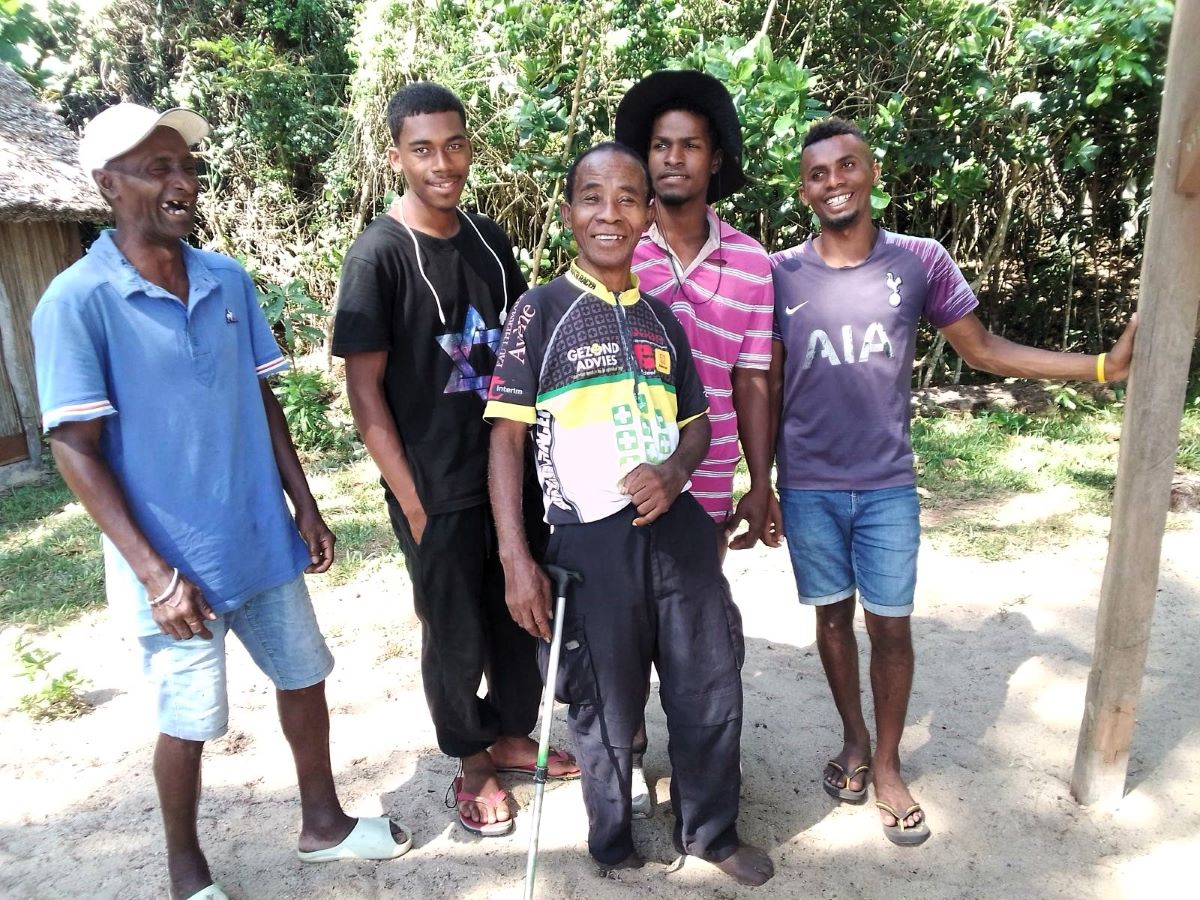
(1170, 291)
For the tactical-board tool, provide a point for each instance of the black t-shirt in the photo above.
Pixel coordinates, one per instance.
(438, 371)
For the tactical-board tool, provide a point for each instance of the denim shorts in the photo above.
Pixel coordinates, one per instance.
(842, 541)
(279, 630)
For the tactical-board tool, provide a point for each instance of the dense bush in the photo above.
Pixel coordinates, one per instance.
(1020, 134)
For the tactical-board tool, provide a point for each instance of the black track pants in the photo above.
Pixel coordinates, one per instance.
(467, 632)
(653, 594)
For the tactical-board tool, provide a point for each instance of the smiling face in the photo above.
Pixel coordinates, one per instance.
(839, 173)
(608, 212)
(682, 157)
(153, 188)
(434, 155)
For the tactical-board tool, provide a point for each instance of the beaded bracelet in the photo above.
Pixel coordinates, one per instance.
(161, 598)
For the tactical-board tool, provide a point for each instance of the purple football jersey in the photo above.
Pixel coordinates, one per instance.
(849, 337)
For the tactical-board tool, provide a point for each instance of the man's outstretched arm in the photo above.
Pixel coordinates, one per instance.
(980, 349)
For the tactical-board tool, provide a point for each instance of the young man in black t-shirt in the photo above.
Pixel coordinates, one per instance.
(424, 294)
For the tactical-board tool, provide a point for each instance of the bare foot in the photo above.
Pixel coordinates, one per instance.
(852, 757)
(891, 789)
(479, 780)
(521, 753)
(748, 865)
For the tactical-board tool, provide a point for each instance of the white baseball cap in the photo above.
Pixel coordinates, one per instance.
(120, 128)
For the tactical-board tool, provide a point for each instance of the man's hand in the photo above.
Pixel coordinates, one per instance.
(1116, 364)
(414, 514)
(759, 509)
(772, 531)
(653, 489)
(527, 593)
(183, 613)
(318, 537)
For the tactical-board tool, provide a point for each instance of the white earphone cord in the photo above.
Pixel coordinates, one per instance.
(421, 268)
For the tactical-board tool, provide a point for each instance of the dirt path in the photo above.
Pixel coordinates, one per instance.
(1003, 655)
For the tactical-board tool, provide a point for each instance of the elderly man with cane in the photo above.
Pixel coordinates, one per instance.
(604, 376)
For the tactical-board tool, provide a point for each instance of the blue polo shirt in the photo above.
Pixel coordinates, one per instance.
(186, 434)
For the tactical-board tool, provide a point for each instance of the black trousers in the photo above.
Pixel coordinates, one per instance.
(653, 594)
(467, 632)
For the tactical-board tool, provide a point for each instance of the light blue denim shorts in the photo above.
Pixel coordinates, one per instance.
(279, 630)
(842, 541)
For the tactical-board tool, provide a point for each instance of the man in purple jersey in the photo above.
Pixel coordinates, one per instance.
(717, 281)
(847, 306)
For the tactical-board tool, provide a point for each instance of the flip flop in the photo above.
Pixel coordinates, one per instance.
(212, 892)
(371, 838)
(901, 834)
(555, 756)
(493, 800)
(845, 793)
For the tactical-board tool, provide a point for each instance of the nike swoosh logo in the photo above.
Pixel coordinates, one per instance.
(791, 310)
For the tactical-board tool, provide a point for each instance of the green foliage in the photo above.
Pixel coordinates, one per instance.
(1019, 134)
(58, 696)
(51, 566)
(306, 397)
(1070, 398)
(36, 46)
(292, 314)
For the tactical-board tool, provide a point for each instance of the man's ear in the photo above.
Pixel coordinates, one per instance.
(564, 213)
(875, 172)
(651, 212)
(718, 159)
(393, 158)
(106, 182)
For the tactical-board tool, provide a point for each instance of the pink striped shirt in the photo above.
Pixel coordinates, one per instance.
(725, 302)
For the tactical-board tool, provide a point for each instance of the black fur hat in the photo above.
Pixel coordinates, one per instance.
(635, 119)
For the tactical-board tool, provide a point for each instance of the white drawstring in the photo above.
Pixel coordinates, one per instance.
(421, 268)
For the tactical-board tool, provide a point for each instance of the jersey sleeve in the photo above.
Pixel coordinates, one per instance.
(363, 321)
(950, 297)
(69, 350)
(513, 391)
(268, 358)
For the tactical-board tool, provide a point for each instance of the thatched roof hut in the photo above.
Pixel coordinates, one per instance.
(43, 198)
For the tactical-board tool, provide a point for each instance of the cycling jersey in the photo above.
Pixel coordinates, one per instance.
(606, 380)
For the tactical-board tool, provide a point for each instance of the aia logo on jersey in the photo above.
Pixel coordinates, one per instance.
(854, 349)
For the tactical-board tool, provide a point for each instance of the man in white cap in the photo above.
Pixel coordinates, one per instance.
(152, 359)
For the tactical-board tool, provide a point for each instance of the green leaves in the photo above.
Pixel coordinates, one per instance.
(292, 313)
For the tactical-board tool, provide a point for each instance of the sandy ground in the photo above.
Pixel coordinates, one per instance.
(1003, 657)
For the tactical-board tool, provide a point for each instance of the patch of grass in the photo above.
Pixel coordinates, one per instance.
(962, 458)
(51, 565)
(1189, 437)
(996, 454)
(351, 501)
(982, 537)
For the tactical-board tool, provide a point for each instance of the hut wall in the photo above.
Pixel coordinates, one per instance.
(33, 253)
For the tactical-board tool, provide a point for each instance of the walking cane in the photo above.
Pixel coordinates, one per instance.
(562, 580)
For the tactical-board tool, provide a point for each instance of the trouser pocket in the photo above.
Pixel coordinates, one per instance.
(576, 681)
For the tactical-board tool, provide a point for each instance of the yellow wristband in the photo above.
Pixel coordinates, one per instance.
(1100, 368)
